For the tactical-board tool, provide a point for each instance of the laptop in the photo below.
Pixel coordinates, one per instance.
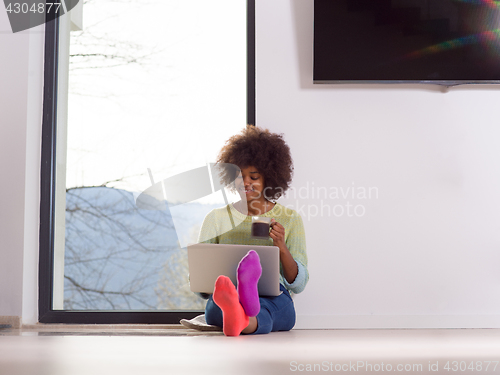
(208, 261)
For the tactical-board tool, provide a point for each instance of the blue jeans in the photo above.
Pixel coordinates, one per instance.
(276, 313)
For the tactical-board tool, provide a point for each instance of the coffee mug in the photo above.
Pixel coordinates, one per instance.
(260, 227)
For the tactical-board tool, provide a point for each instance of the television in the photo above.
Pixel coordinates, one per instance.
(446, 42)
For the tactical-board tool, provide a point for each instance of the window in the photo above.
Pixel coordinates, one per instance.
(147, 90)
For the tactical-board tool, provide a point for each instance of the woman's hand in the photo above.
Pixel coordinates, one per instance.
(277, 233)
(290, 268)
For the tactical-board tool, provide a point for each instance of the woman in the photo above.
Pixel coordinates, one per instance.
(266, 173)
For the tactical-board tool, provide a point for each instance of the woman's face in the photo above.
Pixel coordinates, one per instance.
(250, 184)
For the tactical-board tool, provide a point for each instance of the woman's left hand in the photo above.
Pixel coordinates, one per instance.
(290, 267)
(277, 234)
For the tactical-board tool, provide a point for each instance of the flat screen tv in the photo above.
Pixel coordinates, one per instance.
(445, 42)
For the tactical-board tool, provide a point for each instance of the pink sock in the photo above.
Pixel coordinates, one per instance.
(234, 319)
(248, 274)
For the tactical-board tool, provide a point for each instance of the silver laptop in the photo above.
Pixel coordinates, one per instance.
(208, 261)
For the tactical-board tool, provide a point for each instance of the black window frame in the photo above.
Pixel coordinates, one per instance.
(46, 313)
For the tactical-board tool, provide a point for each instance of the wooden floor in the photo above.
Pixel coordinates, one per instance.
(139, 350)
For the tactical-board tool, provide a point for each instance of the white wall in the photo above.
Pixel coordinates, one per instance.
(426, 252)
(21, 73)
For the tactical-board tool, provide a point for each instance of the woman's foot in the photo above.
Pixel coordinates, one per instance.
(234, 319)
(248, 275)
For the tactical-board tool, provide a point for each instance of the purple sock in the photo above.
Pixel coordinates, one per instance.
(248, 274)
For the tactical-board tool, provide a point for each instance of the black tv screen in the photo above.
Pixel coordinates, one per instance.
(438, 41)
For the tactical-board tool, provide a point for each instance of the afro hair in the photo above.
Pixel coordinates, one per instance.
(266, 151)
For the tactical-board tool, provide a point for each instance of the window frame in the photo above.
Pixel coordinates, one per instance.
(46, 313)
